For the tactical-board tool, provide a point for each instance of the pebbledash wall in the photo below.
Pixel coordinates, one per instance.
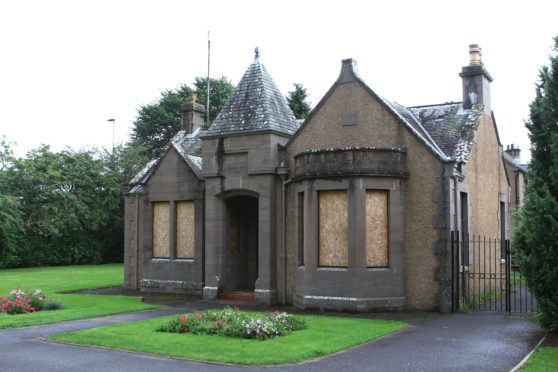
(353, 210)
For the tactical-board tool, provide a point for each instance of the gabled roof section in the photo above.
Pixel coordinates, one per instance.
(447, 130)
(188, 146)
(255, 105)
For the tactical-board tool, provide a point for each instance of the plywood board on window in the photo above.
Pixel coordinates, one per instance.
(185, 223)
(161, 229)
(377, 228)
(334, 228)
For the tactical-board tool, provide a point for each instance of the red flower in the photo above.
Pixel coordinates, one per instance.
(215, 324)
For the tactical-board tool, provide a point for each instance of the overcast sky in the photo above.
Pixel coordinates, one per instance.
(68, 66)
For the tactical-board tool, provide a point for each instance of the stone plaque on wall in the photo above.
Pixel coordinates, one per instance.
(185, 223)
(334, 227)
(161, 228)
(377, 228)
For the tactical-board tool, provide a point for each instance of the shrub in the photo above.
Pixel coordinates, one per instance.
(234, 323)
(53, 305)
(19, 302)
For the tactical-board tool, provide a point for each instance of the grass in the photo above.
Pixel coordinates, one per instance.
(55, 280)
(544, 359)
(324, 335)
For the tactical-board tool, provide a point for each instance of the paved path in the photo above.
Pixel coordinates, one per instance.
(433, 342)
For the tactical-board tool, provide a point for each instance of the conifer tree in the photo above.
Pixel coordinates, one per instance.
(536, 233)
(297, 102)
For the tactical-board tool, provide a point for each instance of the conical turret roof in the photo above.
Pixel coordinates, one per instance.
(255, 105)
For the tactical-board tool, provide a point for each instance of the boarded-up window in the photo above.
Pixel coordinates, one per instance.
(333, 226)
(161, 229)
(185, 222)
(377, 228)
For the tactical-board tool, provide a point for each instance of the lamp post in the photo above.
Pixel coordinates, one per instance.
(113, 121)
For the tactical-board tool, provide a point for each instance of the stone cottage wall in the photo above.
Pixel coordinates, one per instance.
(424, 196)
(172, 182)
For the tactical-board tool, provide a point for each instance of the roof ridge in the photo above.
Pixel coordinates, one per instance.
(436, 104)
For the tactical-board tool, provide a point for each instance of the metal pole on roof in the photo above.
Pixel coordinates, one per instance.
(208, 83)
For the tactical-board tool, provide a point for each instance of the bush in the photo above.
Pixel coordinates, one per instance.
(53, 305)
(19, 302)
(234, 323)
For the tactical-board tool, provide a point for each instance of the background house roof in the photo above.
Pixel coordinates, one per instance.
(255, 105)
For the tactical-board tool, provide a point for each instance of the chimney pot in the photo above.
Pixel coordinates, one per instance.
(475, 55)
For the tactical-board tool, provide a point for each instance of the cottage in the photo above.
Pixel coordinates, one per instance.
(352, 209)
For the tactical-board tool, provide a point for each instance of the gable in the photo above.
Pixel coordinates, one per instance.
(350, 116)
(172, 176)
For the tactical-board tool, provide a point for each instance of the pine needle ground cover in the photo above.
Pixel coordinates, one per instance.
(323, 335)
(53, 281)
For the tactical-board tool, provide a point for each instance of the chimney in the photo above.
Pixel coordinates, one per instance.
(514, 152)
(191, 115)
(476, 81)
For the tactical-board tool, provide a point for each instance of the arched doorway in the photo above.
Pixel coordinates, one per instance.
(241, 245)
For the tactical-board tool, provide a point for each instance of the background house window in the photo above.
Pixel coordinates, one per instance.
(333, 228)
(377, 228)
(185, 222)
(161, 229)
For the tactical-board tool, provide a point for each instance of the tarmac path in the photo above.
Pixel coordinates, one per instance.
(432, 342)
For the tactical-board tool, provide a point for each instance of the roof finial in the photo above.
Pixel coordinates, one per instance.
(257, 51)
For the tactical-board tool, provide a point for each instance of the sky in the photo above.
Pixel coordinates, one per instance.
(68, 66)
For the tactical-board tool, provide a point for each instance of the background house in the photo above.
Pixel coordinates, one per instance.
(351, 210)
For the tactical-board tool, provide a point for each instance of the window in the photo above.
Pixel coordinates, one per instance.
(161, 229)
(377, 254)
(185, 222)
(300, 231)
(333, 228)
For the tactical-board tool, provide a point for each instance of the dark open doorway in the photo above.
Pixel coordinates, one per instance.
(241, 252)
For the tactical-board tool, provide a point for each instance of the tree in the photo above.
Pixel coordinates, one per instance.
(11, 222)
(159, 121)
(536, 233)
(69, 202)
(297, 102)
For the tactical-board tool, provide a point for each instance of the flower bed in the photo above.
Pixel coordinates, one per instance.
(19, 302)
(234, 323)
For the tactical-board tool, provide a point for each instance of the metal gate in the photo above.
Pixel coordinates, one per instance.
(486, 277)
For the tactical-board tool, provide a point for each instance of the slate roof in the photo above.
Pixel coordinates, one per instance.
(255, 105)
(452, 127)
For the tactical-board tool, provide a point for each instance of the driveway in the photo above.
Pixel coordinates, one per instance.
(432, 342)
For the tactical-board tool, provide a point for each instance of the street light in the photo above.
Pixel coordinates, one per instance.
(113, 120)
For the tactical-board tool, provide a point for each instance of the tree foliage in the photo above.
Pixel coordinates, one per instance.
(536, 233)
(159, 121)
(68, 205)
(297, 100)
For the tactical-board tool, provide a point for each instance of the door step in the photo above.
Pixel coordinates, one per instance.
(237, 296)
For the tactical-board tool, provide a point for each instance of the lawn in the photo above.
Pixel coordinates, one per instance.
(544, 359)
(55, 280)
(324, 335)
